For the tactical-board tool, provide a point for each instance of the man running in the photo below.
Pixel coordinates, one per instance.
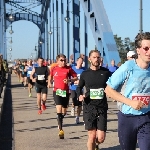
(23, 73)
(39, 75)
(29, 69)
(130, 86)
(61, 76)
(94, 101)
(78, 69)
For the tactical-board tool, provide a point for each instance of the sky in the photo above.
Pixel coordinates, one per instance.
(123, 15)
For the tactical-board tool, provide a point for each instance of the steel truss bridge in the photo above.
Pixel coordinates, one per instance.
(59, 24)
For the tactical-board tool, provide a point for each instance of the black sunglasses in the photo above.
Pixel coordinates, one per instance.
(146, 48)
(63, 60)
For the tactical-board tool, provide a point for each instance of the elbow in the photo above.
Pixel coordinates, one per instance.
(108, 91)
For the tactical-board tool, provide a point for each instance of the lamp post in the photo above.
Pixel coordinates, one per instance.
(141, 16)
(58, 44)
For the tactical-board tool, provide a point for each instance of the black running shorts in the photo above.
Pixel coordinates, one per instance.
(29, 80)
(94, 118)
(75, 100)
(41, 89)
(64, 101)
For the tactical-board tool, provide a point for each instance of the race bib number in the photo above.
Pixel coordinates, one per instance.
(61, 93)
(143, 97)
(97, 93)
(29, 72)
(41, 77)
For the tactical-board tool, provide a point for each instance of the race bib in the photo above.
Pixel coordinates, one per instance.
(29, 72)
(61, 93)
(97, 93)
(41, 77)
(143, 97)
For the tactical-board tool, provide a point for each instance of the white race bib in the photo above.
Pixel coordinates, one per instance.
(143, 97)
(97, 93)
(41, 77)
(29, 72)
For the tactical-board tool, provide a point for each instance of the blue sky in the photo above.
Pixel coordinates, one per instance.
(123, 16)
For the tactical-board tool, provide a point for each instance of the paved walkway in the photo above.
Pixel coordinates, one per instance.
(39, 132)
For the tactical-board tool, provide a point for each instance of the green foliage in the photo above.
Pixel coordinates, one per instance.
(124, 46)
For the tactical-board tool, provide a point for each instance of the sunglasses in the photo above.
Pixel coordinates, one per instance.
(63, 60)
(146, 48)
(133, 56)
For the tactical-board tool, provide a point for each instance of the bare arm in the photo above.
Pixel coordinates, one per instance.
(119, 97)
(31, 75)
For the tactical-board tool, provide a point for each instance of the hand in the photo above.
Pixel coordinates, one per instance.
(81, 97)
(66, 81)
(34, 80)
(137, 105)
(49, 85)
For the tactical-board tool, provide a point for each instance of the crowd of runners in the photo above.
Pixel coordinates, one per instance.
(128, 84)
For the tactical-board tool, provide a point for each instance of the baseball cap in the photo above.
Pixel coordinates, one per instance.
(131, 53)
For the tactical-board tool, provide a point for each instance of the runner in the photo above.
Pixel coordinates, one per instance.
(61, 75)
(23, 73)
(94, 101)
(29, 69)
(78, 69)
(130, 86)
(39, 75)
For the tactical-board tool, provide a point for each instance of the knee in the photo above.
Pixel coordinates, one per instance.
(101, 139)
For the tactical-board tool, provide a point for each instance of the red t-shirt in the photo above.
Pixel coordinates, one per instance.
(61, 73)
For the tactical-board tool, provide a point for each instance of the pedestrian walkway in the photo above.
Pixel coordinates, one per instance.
(39, 132)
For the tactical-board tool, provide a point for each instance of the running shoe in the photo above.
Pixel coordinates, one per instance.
(61, 134)
(30, 95)
(77, 120)
(96, 147)
(39, 112)
(43, 107)
(72, 112)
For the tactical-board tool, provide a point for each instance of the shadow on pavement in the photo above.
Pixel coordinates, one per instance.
(6, 137)
(112, 148)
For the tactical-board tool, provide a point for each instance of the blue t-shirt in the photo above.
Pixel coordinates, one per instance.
(112, 69)
(35, 65)
(29, 70)
(78, 72)
(137, 82)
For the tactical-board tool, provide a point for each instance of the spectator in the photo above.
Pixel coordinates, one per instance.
(113, 67)
(131, 55)
(119, 64)
(102, 64)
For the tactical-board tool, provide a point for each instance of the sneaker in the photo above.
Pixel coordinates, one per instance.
(39, 112)
(61, 134)
(77, 120)
(43, 107)
(72, 112)
(30, 95)
(96, 147)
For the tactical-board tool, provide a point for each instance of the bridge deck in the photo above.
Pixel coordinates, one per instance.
(39, 132)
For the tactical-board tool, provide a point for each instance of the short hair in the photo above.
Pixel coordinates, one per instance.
(40, 58)
(79, 58)
(140, 37)
(94, 51)
(60, 55)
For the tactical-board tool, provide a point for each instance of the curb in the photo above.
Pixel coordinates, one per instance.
(3, 97)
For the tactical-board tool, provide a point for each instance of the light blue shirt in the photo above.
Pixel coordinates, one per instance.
(138, 81)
